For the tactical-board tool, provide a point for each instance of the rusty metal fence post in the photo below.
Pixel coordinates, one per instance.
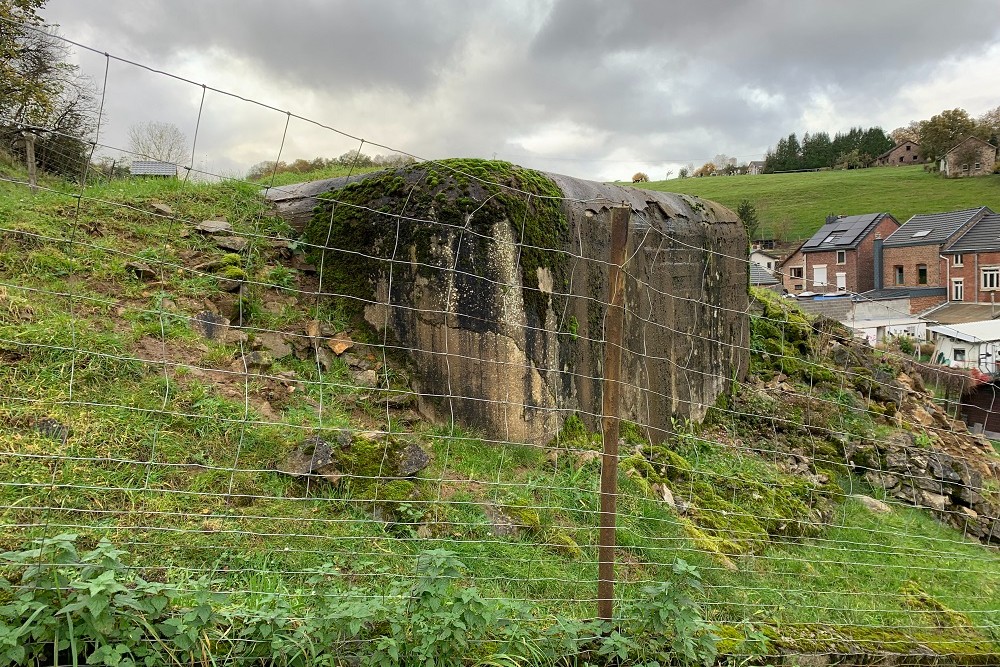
(611, 394)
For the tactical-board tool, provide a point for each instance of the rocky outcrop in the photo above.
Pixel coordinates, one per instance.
(940, 466)
(493, 280)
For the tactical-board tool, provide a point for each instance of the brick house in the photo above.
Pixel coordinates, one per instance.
(911, 260)
(970, 157)
(973, 263)
(839, 257)
(905, 152)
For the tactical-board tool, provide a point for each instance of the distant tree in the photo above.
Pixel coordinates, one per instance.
(47, 109)
(988, 126)
(943, 131)
(670, 172)
(910, 132)
(640, 177)
(156, 140)
(817, 151)
(748, 214)
(706, 169)
(684, 172)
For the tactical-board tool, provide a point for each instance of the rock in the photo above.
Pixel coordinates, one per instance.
(366, 378)
(141, 271)
(275, 344)
(934, 501)
(213, 227)
(873, 505)
(161, 209)
(355, 362)
(253, 362)
(663, 492)
(396, 399)
(340, 343)
(210, 325)
(233, 243)
(316, 456)
(501, 524)
(968, 512)
(413, 459)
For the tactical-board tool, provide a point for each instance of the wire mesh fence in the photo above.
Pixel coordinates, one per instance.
(304, 434)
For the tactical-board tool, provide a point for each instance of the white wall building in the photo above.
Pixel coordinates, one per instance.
(969, 345)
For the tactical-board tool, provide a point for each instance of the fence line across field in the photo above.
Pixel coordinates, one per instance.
(143, 489)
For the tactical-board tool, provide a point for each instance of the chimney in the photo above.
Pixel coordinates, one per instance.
(877, 257)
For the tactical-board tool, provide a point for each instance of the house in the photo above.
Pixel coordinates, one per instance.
(755, 167)
(839, 257)
(761, 277)
(968, 345)
(973, 262)
(153, 168)
(905, 152)
(911, 259)
(970, 157)
(765, 259)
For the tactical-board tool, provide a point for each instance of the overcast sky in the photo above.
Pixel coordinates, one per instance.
(593, 89)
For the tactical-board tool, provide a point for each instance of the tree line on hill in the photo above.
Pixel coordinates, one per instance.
(860, 147)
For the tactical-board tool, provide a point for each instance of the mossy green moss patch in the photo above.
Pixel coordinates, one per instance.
(439, 216)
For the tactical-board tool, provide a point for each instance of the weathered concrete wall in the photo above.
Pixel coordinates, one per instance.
(509, 338)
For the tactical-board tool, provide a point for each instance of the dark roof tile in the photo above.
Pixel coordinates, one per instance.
(932, 228)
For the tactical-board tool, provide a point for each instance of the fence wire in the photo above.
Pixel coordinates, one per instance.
(173, 391)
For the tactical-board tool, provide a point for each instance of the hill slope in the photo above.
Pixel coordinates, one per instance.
(124, 417)
(793, 206)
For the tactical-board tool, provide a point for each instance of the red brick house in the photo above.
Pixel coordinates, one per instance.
(903, 153)
(910, 261)
(973, 262)
(839, 257)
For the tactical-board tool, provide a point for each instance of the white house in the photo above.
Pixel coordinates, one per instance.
(876, 330)
(969, 345)
(768, 261)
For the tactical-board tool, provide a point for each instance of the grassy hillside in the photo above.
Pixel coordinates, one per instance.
(794, 206)
(119, 421)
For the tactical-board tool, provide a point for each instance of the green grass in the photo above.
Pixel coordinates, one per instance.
(174, 465)
(793, 206)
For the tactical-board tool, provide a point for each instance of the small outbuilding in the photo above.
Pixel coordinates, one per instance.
(153, 168)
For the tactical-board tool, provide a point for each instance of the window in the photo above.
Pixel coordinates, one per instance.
(921, 274)
(841, 281)
(965, 167)
(921, 234)
(796, 272)
(797, 288)
(991, 277)
(959, 353)
(907, 146)
(956, 260)
(957, 289)
(898, 271)
(841, 257)
(819, 276)
(900, 158)
(978, 165)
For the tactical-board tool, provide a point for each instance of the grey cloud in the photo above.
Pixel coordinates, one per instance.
(657, 79)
